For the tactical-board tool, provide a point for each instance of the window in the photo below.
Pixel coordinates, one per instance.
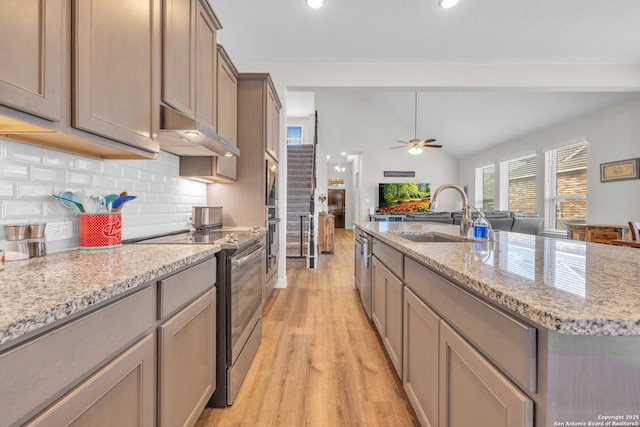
(485, 187)
(565, 200)
(294, 135)
(519, 193)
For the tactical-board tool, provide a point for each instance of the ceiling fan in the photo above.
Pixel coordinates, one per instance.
(415, 144)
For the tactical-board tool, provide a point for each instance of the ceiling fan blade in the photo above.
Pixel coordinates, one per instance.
(432, 145)
(404, 142)
(399, 146)
(426, 141)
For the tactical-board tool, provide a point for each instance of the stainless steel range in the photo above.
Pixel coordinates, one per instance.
(239, 283)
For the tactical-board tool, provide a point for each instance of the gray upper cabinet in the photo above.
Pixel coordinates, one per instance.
(179, 55)
(32, 56)
(207, 65)
(81, 76)
(273, 123)
(115, 71)
(226, 167)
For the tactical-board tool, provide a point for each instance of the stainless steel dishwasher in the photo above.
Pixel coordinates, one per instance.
(362, 251)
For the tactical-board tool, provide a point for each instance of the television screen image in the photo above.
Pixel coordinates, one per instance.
(403, 197)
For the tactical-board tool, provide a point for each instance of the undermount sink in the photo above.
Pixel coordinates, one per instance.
(431, 237)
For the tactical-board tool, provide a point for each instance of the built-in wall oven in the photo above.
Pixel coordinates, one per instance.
(273, 220)
(273, 241)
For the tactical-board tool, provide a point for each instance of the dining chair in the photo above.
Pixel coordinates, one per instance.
(634, 227)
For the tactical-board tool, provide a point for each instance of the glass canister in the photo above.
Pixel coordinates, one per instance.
(16, 248)
(36, 243)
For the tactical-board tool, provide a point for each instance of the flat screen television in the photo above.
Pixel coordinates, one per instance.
(403, 197)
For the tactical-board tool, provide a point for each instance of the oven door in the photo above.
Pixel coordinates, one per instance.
(246, 296)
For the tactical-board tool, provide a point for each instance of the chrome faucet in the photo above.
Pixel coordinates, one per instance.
(465, 221)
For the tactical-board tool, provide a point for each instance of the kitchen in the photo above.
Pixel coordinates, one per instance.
(32, 174)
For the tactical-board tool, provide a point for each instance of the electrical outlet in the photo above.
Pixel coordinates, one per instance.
(59, 231)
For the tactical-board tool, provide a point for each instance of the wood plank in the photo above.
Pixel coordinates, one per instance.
(321, 362)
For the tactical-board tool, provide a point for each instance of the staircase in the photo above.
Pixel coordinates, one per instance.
(299, 183)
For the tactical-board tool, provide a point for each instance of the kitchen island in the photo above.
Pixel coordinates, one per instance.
(81, 334)
(547, 326)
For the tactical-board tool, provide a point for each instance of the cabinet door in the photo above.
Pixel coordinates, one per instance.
(179, 55)
(186, 362)
(116, 47)
(207, 68)
(273, 124)
(378, 290)
(32, 56)
(420, 363)
(120, 394)
(473, 392)
(387, 312)
(227, 116)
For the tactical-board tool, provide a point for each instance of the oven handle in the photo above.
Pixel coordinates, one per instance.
(245, 259)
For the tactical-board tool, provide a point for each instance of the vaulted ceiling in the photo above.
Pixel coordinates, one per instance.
(420, 32)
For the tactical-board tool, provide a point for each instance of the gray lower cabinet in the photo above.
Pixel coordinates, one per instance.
(421, 345)
(386, 311)
(186, 362)
(473, 391)
(119, 394)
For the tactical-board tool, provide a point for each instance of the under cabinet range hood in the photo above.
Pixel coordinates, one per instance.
(185, 136)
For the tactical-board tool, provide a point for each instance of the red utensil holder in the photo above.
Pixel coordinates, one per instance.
(100, 230)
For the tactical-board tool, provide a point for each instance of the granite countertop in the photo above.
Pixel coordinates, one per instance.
(566, 286)
(37, 292)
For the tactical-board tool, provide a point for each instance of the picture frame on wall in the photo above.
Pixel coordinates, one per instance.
(620, 170)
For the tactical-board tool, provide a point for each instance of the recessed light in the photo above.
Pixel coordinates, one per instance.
(344, 153)
(192, 133)
(227, 154)
(446, 4)
(315, 4)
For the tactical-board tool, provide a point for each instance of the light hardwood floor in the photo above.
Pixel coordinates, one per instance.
(320, 362)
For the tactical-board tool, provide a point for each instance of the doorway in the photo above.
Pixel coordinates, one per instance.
(336, 206)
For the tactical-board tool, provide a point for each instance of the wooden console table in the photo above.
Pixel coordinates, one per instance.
(598, 233)
(326, 225)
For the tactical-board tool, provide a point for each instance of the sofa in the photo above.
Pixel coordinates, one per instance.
(514, 221)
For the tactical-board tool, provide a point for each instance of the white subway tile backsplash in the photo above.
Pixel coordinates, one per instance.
(39, 173)
(26, 154)
(29, 175)
(75, 178)
(27, 190)
(7, 189)
(105, 182)
(91, 165)
(58, 159)
(11, 170)
(21, 209)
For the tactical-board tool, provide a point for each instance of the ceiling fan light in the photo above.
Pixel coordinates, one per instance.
(315, 4)
(415, 150)
(446, 4)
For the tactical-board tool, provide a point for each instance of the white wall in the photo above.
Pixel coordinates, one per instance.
(307, 124)
(29, 175)
(349, 122)
(612, 134)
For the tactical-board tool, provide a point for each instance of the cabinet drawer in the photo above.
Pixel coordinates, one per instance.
(179, 289)
(508, 342)
(41, 369)
(119, 394)
(390, 257)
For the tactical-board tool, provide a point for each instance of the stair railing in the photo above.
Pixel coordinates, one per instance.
(311, 251)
